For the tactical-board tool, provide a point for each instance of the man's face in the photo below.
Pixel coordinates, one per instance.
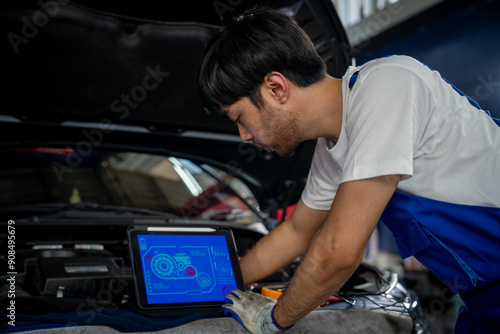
(271, 128)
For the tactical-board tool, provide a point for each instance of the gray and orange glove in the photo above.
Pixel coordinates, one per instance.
(253, 311)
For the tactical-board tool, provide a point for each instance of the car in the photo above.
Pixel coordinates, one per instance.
(102, 129)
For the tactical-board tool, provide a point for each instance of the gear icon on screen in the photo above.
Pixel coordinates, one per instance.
(163, 265)
(203, 280)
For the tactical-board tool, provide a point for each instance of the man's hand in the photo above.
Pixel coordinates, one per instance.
(252, 310)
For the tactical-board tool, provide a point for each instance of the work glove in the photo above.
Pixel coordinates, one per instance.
(253, 311)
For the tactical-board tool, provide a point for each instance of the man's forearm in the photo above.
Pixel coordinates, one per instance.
(338, 248)
(311, 285)
(287, 241)
(271, 253)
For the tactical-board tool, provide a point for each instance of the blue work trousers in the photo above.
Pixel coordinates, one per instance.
(460, 245)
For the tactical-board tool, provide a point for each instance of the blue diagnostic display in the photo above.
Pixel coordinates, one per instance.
(185, 268)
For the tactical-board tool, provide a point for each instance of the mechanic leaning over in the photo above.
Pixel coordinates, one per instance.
(394, 141)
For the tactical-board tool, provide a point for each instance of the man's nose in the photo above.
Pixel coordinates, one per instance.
(244, 134)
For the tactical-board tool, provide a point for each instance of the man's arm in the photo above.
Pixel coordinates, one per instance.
(339, 247)
(283, 244)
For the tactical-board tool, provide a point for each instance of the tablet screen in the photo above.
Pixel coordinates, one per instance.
(184, 267)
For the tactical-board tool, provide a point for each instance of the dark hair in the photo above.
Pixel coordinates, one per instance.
(255, 43)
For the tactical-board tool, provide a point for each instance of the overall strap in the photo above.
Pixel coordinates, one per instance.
(471, 101)
(352, 79)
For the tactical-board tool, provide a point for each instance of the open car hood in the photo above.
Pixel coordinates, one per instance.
(87, 74)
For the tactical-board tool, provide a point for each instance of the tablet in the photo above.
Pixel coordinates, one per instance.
(179, 270)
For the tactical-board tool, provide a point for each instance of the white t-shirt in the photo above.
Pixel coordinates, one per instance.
(400, 117)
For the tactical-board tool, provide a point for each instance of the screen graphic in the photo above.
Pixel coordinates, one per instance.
(185, 268)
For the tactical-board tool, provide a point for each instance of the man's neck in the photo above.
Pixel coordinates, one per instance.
(321, 109)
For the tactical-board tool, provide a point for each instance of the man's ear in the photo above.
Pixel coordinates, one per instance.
(276, 86)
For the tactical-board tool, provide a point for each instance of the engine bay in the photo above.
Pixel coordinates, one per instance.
(65, 267)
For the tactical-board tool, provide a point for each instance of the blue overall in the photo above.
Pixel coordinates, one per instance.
(459, 244)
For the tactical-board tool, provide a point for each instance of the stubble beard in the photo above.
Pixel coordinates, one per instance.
(284, 131)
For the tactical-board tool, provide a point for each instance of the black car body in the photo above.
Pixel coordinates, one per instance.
(102, 128)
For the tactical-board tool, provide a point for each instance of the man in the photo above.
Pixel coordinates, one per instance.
(395, 141)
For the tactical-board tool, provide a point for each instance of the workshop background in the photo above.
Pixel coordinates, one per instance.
(460, 39)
